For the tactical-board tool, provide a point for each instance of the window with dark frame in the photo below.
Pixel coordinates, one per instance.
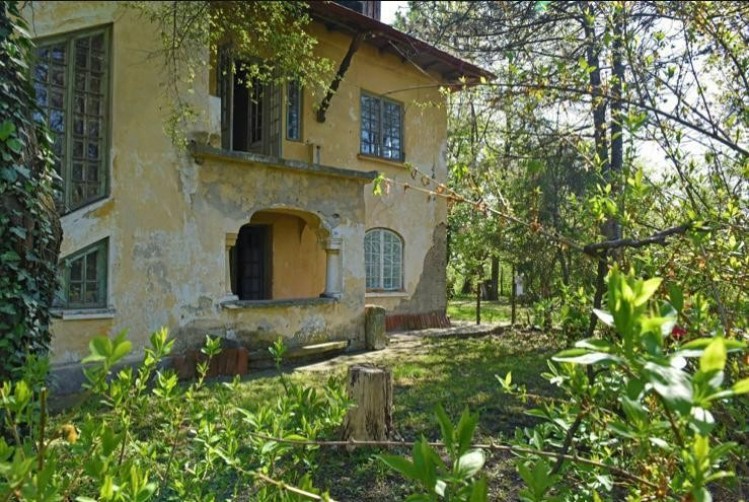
(383, 260)
(251, 108)
(294, 111)
(71, 82)
(84, 278)
(381, 127)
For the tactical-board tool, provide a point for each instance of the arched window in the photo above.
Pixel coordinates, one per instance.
(383, 259)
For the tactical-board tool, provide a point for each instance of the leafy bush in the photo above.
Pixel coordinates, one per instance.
(457, 480)
(30, 231)
(638, 422)
(640, 405)
(143, 435)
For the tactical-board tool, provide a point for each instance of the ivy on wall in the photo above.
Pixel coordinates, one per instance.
(30, 232)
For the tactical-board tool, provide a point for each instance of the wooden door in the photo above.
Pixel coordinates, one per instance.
(253, 262)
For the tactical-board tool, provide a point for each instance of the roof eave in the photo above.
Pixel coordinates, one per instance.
(456, 72)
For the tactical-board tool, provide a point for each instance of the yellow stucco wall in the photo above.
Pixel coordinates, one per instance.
(168, 218)
(409, 213)
(298, 257)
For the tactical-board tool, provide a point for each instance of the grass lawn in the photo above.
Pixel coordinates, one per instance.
(463, 308)
(457, 372)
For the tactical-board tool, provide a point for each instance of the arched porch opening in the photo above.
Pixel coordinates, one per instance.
(284, 254)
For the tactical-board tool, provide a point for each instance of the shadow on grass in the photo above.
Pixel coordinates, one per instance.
(456, 372)
(460, 373)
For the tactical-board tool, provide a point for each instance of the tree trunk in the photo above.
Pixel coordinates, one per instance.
(375, 336)
(601, 142)
(617, 113)
(494, 290)
(513, 296)
(466, 287)
(371, 389)
(478, 302)
(501, 280)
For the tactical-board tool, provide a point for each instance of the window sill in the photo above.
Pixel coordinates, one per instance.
(89, 206)
(83, 314)
(279, 303)
(380, 160)
(386, 294)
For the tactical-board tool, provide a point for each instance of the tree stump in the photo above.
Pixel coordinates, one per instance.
(371, 389)
(375, 336)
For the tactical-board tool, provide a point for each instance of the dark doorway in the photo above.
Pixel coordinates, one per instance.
(253, 263)
(248, 126)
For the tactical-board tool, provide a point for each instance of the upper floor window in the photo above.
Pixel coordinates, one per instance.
(381, 127)
(368, 8)
(294, 111)
(71, 78)
(84, 281)
(250, 108)
(383, 260)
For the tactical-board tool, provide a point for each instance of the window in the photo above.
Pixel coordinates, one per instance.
(84, 283)
(294, 111)
(250, 109)
(71, 77)
(368, 8)
(383, 260)
(381, 127)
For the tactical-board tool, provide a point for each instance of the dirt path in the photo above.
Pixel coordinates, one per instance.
(402, 344)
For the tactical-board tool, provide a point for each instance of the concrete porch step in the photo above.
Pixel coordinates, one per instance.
(317, 349)
(262, 359)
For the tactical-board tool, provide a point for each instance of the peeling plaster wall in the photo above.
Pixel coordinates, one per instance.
(167, 218)
(420, 221)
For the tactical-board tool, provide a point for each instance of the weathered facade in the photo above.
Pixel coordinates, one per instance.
(268, 226)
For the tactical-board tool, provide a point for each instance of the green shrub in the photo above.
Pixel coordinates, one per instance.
(143, 435)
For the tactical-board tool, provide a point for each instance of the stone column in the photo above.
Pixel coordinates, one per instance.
(231, 241)
(332, 268)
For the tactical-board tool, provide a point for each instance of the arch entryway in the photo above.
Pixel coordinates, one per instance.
(283, 254)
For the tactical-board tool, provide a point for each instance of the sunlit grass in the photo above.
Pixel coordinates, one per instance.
(456, 372)
(463, 308)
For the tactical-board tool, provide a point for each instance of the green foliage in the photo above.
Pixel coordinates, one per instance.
(458, 480)
(268, 39)
(639, 400)
(551, 145)
(574, 312)
(29, 226)
(145, 436)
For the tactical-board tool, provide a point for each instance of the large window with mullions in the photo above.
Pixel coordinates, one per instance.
(71, 80)
(84, 278)
(381, 127)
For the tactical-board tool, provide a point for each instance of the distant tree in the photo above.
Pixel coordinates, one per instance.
(652, 97)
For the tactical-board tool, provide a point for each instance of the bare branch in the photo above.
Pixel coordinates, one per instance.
(657, 238)
(493, 447)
